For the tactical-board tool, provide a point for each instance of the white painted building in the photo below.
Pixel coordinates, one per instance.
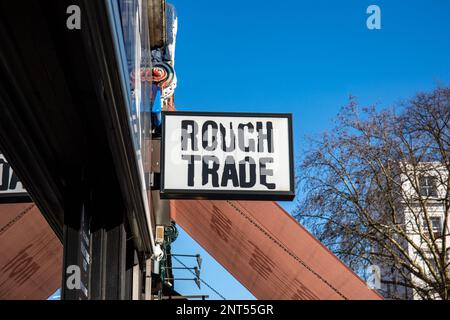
(423, 212)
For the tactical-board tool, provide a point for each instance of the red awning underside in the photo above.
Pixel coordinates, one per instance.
(261, 245)
(267, 251)
(30, 254)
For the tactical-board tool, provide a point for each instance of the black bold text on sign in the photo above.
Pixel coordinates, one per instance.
(227, 156)
(11, 189)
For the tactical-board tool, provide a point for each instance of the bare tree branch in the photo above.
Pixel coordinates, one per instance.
(363, 195)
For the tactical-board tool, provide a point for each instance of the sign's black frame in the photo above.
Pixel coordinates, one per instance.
(16, 197)
(203, 194)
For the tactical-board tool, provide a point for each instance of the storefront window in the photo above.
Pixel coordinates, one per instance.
(135, 30)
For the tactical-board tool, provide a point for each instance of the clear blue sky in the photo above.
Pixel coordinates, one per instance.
(302, 57)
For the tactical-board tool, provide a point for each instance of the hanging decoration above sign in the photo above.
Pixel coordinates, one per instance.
(232, 156)
(11, 189)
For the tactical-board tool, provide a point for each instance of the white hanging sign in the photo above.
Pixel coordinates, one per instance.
(246, 156)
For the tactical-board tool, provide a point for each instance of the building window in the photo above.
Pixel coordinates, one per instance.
(436, 226)
(448, 263)
(432, 265)
(427, 186)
